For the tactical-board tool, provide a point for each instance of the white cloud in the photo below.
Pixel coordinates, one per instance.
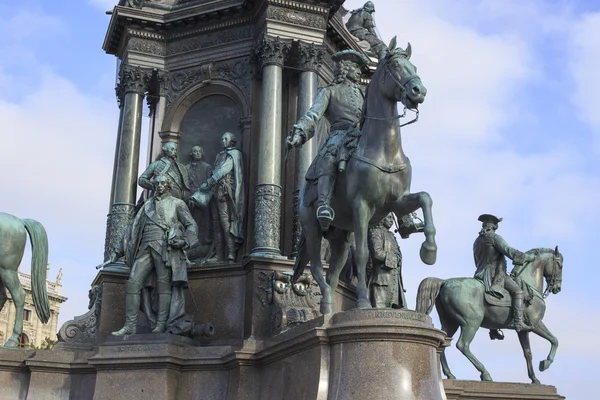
(585, 64)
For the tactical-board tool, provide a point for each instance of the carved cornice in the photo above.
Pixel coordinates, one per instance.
(297, 18)
(272, 51)
(132, 79)
(310, 57)
(146, 46)
(193, 43)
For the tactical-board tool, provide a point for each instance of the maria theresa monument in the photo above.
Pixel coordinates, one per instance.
(257, 255)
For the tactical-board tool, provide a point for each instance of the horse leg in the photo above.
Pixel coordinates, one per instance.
(339, 255)
(313, 234)
(12, 283)
(361, 226)
(524, 339)
(411, 202)
(542, 331)
(3, 296)
(450, 327)
(467, 333)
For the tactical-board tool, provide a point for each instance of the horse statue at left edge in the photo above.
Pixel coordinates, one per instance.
(462, 302)
(13, 237)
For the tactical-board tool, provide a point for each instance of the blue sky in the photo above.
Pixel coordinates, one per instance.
(510, 126)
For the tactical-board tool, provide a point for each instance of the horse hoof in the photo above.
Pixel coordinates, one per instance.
(11, 344)
(536, 381)
(486, 377)
(450, 376)
(363, 304)
(428, 253)
(544, 365)
(326, 308)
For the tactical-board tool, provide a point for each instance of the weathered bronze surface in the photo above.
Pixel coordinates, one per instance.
(495, 300)
(13, 237)
(160, 234)
(376, 180)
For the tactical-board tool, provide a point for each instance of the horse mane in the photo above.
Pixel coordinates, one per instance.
(540, 250)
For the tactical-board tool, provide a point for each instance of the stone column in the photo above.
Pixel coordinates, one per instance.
(132, 84)
(309, 61)
(267, 225)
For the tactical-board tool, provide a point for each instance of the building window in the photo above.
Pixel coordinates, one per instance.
(26, 315)
(24, 342)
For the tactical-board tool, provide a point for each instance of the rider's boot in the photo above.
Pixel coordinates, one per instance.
(518, 313)
(132, 306)
(325, 213)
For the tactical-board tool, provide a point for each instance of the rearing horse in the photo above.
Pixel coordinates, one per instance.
(460, 302)
(376, 182)
(13, 237)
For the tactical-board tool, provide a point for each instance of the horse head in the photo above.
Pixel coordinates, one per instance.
(406, 86)
(552, 264)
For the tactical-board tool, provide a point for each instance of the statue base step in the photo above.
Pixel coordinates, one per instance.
(477, 390)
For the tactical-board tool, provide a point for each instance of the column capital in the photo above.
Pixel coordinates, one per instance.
(246, 122)
(310, 56)
(169, 136)
(272, 51)
(132, 79)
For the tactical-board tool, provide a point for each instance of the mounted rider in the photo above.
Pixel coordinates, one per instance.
(489, 251)
(341, 103)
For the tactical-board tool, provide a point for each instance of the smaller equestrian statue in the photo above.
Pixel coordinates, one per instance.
(13, 237)
(494, 299)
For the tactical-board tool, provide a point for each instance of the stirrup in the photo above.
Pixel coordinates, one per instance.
(325, 215)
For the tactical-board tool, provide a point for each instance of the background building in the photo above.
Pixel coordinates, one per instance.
(34, 332)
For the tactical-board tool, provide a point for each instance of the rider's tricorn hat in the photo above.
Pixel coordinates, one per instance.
(489, 218)
(351, 55)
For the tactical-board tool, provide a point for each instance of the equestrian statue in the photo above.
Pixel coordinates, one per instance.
(373, 182)
(13, 237)
(495, 300)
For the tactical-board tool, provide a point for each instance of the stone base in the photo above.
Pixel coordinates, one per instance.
(477, 390)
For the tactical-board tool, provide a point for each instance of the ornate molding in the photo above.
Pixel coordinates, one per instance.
(209, 39)
(147, 46)
(296, 226)
(120, 217)
(297, 17)
(290, 305)
(272, 51)
(133, 79)
(310, 57)
(267, 219)
(82, 329)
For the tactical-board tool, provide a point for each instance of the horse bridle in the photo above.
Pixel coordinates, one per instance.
(401, 83)
(553, 280)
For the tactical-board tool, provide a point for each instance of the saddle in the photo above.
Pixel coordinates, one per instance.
(506, 300)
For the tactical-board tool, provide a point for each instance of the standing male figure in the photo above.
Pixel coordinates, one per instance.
(227, 182)
(386, 287)
(160, 232)
(489, 251)
(341, 103)
(362, 26)
(198, 172)
(167, 165)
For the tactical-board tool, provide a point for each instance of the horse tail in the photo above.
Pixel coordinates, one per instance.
(301, 258)
(39, 264)
(429, 289)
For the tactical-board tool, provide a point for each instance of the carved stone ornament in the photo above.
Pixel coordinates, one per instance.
(267, 218)
(82, 329)
(120, 217)
(296, 226)
(133, 79)
(132, 3)
(297, 17)
(289, 304)
(147, 46)
(310, 57)
(272, 51)
(200, 42)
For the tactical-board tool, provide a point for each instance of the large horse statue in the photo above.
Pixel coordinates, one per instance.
(462, 302)
(376, 182)
(13, 237)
